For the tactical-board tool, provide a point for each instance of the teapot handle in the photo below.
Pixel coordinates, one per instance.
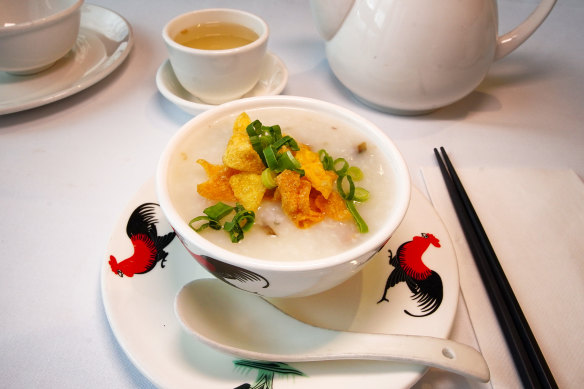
(510, 41)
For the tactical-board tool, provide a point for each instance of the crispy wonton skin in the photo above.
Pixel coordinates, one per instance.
(239, 153)
(248, 189)
(322, 180)
(333, 207)
(217, 186)
(305, 200)
(296, 202)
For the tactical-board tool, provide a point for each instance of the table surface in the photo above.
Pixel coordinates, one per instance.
(69, 168)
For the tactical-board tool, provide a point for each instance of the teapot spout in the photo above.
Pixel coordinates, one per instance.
(329, 15)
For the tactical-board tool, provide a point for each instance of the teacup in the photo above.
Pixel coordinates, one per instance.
(221, 71)
(35, 34)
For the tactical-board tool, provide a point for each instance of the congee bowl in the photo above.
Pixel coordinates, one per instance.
(274, 259)
(35, 34)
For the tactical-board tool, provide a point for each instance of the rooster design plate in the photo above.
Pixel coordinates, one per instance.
(409, 287)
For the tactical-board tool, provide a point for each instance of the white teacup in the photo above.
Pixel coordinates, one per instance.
(216, 75)
(35, 34)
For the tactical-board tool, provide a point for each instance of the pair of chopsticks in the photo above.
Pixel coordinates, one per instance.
(527, 356)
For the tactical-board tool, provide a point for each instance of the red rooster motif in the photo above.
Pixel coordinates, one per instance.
(148, 246)
(424, 283)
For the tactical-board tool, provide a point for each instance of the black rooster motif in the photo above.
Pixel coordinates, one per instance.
(424, 283)
(148, 246)
(229, 273)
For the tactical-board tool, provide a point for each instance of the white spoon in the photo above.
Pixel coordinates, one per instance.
(247, 326)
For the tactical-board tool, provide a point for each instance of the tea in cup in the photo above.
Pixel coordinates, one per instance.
(216, 54)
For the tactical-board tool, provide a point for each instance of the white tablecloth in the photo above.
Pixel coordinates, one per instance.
(534, 218)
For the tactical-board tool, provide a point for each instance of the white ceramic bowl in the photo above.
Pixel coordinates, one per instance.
(35, 34)
(283, 278)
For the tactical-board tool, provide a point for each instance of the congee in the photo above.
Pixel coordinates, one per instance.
(321, 189)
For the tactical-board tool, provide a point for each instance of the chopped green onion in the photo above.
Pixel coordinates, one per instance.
(270, 158)
(254, 131)
(354, 194)
(275, 129)
(241, 222)
(256, 144)
(287, 161)
(218, 211)
(343, 170)
(281, 162)
(267, 141)
(361, 225)
(356, 173)
(204, 225)
(288, 141)
(269, 178)
(361, 194)
(261, 136)
(325, 159)
(347, 196)
(246, 219)
(214, 214)
(254, 128)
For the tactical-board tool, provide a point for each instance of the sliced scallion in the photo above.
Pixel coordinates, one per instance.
(343, 169)
(218, 211)
(355, 172)
(288, 141)
(269, 178)
(287, 161)
(270, 158)
(241, 222)
(267, 142)
(325, 159)
(361, 225)
(361, 194)
(349, 173)
(204, 225)
(346, 195)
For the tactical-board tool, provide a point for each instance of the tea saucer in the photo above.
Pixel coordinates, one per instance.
(273, 79)
(105, 40)
(140, 311)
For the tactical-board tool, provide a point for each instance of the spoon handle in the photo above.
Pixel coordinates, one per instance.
(435, 352)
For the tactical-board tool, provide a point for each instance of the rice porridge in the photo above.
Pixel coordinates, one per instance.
(274, 236)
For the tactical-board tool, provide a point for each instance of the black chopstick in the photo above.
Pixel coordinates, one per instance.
(527, 337)
(527, 356)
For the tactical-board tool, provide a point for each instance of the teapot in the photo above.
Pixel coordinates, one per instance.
(414, 56)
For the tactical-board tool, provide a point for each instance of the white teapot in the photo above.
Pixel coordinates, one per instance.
(414, 56)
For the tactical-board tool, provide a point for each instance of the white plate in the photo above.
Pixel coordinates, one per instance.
(140, 312)
(273, 79)
(104, 41)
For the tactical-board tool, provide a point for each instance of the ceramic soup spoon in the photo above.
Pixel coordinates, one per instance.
(247, 326)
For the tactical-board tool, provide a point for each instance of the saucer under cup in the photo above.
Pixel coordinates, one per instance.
(217, 76)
